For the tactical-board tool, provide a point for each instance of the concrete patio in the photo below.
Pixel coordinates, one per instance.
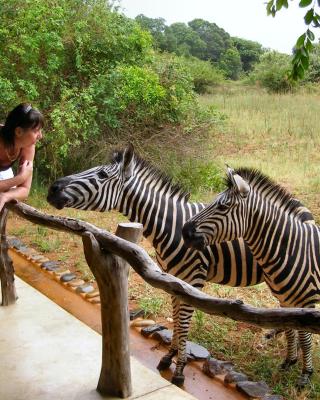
(46, 353)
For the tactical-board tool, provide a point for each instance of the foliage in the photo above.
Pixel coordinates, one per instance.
(231, 63)
(249, 51)
(217, 40)
(200, 39)
(203, 73)
(303, 46)
(90, 70)
(156, 26)
(273, 72)
(313, 73)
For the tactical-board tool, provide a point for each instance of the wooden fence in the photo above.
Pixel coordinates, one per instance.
(107, 256)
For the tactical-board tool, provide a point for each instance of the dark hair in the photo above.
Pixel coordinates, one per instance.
(23, 116)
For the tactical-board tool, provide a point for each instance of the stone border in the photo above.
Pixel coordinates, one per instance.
(55, 268)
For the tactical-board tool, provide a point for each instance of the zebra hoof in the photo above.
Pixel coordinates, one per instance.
(287, 364)
(164, 363)
(304, 379)
(273, 333)
(178, 380)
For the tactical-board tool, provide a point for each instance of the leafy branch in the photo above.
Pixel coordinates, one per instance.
(304, 43)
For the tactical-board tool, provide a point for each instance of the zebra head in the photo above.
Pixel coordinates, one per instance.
(96, 189)
(222, 220)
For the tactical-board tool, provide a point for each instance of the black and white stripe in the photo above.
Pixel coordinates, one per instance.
(268, 218)
(143, 194)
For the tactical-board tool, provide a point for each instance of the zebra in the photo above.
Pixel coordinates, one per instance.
(138, 190)
(264, 214)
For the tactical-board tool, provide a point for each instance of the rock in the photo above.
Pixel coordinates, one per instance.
(253, 389)
(76, 282)
(50, 265)
(85, 289)
(234, 377)
(136, 313)
(149, 330)
(37, 257)
(61, 271)
(163, 336)
(142, 322)
(67, 277)
(196, 352)
(92, 294)
(213, 367)
(27, 251)
(15, 243)
(95, 300)
(23, 249)
(272, 397)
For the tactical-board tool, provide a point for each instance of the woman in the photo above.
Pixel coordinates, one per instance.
(18, 137)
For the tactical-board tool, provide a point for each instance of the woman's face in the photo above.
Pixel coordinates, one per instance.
(29, 136)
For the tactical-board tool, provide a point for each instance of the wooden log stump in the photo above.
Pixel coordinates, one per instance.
(111, 273)
(8, 290)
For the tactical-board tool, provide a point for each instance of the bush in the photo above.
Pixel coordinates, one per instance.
(273, 72)
(90, 70)
(204, 74)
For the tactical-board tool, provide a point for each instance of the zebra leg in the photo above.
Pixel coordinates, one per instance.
(305, 340)
(166, 360)
(273, 333)
(185, 315)
(292, 353)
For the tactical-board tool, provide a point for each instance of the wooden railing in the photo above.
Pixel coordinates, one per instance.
(107, 256)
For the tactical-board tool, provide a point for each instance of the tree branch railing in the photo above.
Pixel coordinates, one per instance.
(100, 245)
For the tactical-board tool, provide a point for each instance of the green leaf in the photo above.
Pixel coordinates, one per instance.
(304, 52)
(309, 45)
(269, 7)
(305, 62)
(285, 3)
(300, 41)
(308, 18)
(305, 3)
(279, 4)
(310, 35)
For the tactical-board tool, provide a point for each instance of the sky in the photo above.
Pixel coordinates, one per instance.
(246, 19)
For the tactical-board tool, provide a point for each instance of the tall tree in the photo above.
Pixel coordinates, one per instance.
(216, 39)
(156, 26)
(187, 41)
(249, 51)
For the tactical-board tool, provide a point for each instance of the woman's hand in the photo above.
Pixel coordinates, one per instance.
(3, 200)
(25, 170)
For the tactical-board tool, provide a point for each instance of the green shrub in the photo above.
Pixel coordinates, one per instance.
(203, 73)
(91, 71)
(273, 72)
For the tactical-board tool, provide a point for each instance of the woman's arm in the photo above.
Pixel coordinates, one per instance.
(22, 181)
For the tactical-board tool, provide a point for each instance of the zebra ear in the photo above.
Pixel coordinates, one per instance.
(238, 182)
(128, 161)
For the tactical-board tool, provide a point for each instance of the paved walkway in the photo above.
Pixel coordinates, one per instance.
(46, 353)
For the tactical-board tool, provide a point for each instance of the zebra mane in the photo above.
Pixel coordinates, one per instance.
(269, 188)
(141, 163)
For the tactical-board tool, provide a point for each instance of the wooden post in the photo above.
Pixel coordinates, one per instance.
(8, 289)
(111, 273)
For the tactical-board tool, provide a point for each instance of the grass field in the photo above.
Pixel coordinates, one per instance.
(278, 134)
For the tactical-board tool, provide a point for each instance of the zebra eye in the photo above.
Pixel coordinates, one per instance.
(223, 206)
(102, 174)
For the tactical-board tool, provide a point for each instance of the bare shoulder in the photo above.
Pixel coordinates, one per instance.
(27, 153)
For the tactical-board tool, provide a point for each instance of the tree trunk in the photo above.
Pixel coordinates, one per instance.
(8, 289)
(111, 273)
